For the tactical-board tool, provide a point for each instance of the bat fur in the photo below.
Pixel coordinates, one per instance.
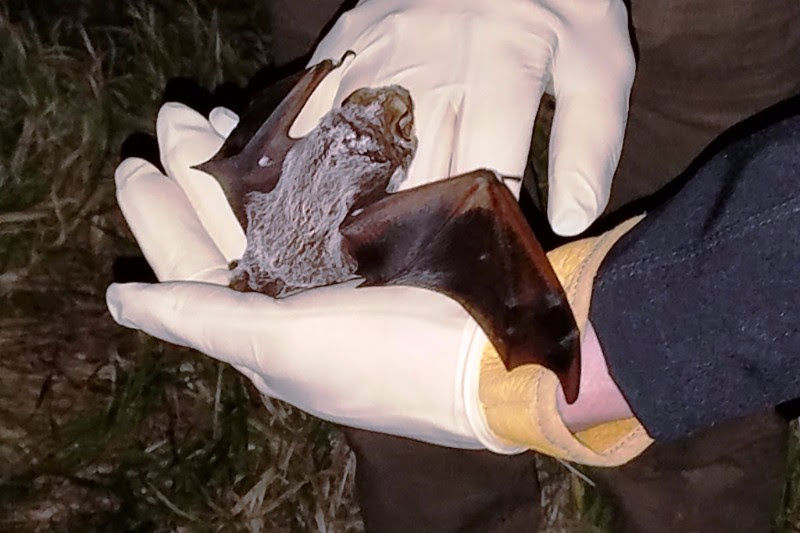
(349, 159)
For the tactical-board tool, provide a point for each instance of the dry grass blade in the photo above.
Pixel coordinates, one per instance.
(253, 499)
(171, 506)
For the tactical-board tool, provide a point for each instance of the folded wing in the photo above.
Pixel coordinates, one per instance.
(467, 238)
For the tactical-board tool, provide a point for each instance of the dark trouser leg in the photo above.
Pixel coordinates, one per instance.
(729, 478)
(703, 66)
(405, 485)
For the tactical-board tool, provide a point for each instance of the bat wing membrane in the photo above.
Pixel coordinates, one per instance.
(467, 238)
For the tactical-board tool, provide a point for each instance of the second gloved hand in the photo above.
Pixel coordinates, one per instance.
(476, 71)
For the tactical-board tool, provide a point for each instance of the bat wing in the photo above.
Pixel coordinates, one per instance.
(257, 166)
(467, 238)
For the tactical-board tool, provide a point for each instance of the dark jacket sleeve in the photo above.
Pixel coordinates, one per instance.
(697, 309)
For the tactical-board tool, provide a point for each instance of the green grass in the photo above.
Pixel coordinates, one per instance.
(103, 427)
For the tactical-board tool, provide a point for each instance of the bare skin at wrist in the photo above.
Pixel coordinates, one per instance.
(599, 400)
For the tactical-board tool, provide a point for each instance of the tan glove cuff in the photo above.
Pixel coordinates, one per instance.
(520, 406)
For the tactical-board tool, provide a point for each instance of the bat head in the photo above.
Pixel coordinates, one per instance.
(381, 123)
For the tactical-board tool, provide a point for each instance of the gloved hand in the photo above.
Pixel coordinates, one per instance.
(476, 70)
(398, 360)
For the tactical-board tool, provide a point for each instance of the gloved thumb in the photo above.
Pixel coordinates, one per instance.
(207, 317)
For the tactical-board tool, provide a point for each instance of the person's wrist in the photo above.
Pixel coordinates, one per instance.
(520, 406)
(599, 399)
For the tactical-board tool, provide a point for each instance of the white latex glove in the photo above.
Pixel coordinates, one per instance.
(476, 70)
(398, 360)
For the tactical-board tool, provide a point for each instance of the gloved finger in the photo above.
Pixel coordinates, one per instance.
(585, 145)
(223, 120)
(281, 337)
(165, 225)
(592, 89)
(496, 121)
(185, 139)
(343, 355)
(495, 132)
(458, 133)
(180, 312)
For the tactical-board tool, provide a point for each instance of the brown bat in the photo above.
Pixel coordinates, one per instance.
(321, 209)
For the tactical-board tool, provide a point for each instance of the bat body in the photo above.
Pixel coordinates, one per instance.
(321, 210)
(349, 160)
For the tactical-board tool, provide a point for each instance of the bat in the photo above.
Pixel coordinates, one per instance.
(323, 209)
